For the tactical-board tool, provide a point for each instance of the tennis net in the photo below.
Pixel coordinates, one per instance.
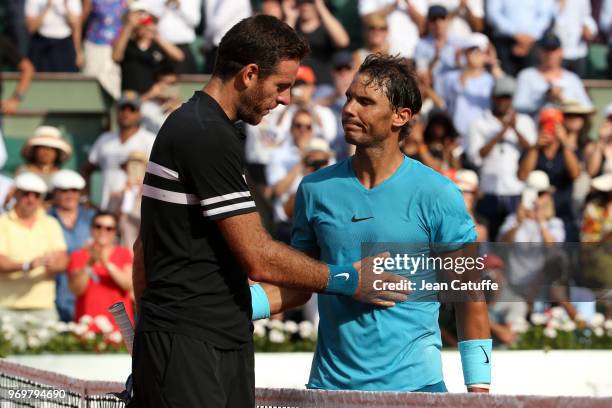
(44, 389)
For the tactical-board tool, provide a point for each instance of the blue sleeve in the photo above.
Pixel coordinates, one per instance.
(523, 100)
(452, 224)
(543, 17)
(496, 17)
(302, 235)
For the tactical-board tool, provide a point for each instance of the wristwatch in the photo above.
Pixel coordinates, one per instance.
(26, 266)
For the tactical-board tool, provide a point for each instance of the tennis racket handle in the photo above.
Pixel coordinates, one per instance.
(125, 325)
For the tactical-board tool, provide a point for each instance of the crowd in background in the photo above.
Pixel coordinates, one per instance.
(505, 115)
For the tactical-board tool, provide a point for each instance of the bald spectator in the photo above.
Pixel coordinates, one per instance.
(32, 253)
(74, 219)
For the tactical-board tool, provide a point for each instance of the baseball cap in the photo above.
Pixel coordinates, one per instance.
(138, 5)
(550, 42)
(129, 98)
(504, 86)
(29, 181)
(476, 40)
(467, 180)
(436, 11)
(67, 179)
(539, 181)
(342, 59)
(602, 183)
(306, 74)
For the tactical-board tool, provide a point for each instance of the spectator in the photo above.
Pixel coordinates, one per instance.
(100, 274)
(140, 50)
(467, 181)
(555, 153)
(598, 153)
(342, 76)
(437, 53)
(103, 20)
(406, 20)
(597, 221)
(302, 94)
(467, 92)
(605, 23)
(495, 144)
(221, 15)
(55, 26)
(178, 20)
(272, 8)
(439, 150)
(27, 271)
(324, 33)
(466, 16)
(375, 37)
(431, 99)
(548, 83)
(112, 149)
(12, 57)
(575, 27)
(44, 153)
(516, 29)
(161, 100)
(284, 171)
(74, 219)
(129, 223)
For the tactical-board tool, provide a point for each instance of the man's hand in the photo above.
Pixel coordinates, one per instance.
(369, 281)
(9, 106)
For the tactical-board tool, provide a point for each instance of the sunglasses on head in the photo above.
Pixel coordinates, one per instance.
(306, 126)
(104, 227)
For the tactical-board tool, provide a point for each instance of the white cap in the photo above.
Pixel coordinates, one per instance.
(538, 181)
(603, 182)
(67, 179)
(30, 182)
(318, 145)
(51, 131)
(476, 40)
(608, 110)
(467, 180)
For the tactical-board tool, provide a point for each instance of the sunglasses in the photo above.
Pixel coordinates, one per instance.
(306, 126)
(29, 193)
(377, 28)
(127, 107)
(104, 227)
(66, 190)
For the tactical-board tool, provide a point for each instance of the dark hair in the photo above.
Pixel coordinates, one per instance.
(102, 213)
(439, 117)
(262, 40)
(396, 78)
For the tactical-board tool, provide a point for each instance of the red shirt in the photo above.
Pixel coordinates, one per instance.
(102, 292)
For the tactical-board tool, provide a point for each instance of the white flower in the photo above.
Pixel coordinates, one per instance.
(115, 337)
(8, 332)
(598, 320)
(598, 331)
(306, 329)
(44, 334)
(72, 326)
(29, 319)
(568, 326)
(89, 335)
(5, 319)
(276, 325)
(19, 342)
(608, 324)
(259, 329)
(291, 327)
(276, 336)
(550, 332)
(103, 324)
(80, 329)
(33, 342)
(554, 323)
(538, 319)
(61, 327)
(520, 325)
(558, 312)
(86, 319)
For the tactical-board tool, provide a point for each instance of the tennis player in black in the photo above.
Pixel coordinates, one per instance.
(201, 237)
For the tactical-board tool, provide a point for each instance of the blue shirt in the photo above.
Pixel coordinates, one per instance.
(425, 52)
(511, 17)
(362, 347)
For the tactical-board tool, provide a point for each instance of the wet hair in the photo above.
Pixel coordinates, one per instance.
(261, 40)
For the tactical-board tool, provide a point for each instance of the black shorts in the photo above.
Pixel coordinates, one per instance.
(175, 371)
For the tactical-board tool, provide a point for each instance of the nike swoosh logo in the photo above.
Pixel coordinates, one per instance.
(485, 353)
(344, 274)
(355, 219)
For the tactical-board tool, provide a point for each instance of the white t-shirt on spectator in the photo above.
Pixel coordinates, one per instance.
(177, 24)
(109, 154)
(498, 171)
(221, 15)
(459, 26)
(55, 24)
(403, 32)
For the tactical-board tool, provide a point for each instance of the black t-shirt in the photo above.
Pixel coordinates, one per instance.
(195, 176)
(321, 51)
(9, 57)
(139, 67)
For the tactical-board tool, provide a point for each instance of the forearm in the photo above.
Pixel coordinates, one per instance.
(283, 185)
(594, 161)
(26, 73)
(528, 164)
(77, 282)
(122, 278)
(571, 162)
(34, 23)
(523, 142)
(172, 51)
(486, 149)
(336, 31)
(7, 265)
(77, 33)
(475, 23)
(59, 263)
(121, 44)
(282, 299)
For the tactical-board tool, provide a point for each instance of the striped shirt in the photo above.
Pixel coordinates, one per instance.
(195, 176)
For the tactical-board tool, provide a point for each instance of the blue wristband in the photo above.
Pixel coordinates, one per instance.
(476, 361)
(343, 280)
(259, 303)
